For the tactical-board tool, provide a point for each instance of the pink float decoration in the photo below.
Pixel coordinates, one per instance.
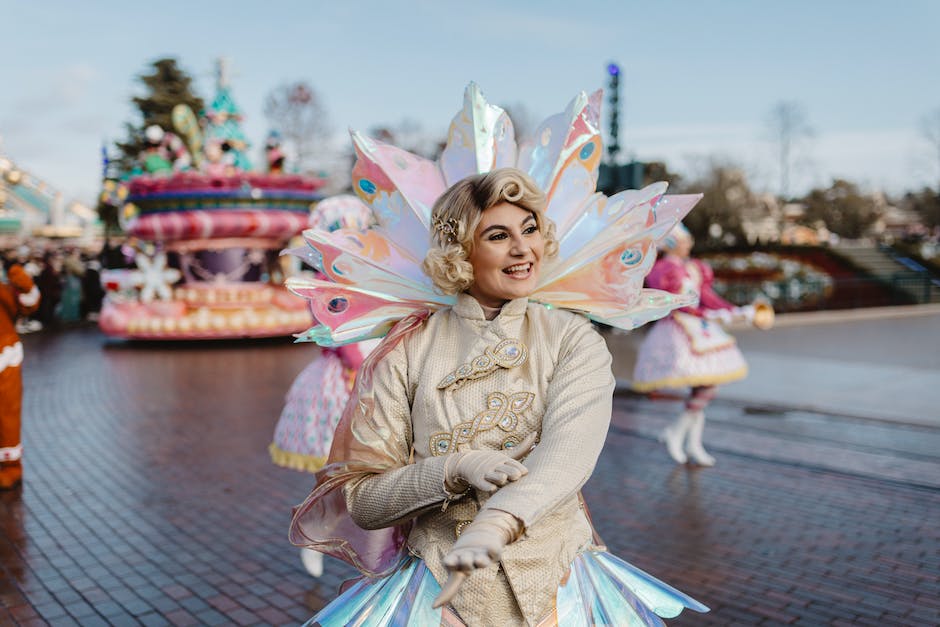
(208, 264)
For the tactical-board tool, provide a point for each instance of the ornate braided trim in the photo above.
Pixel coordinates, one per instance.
(704, 336)
(690, 381)
(295, 461)
(507, 354)
(501, 411)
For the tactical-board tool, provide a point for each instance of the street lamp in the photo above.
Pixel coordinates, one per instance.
(613, 72)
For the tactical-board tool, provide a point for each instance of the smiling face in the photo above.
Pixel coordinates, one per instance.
(507, 255)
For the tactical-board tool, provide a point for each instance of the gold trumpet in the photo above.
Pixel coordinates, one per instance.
(763, 315)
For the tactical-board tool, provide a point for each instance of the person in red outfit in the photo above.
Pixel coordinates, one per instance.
(18, 297)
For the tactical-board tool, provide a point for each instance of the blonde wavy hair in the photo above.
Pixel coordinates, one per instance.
(457, 214)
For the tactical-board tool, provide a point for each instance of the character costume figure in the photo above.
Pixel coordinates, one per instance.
(689, 348)
(163, 151)
(273, 153)
(318, 395)
(223, 128)
(453, 382)
(19, 296)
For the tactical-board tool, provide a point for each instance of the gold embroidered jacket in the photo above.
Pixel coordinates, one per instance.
(462, 382)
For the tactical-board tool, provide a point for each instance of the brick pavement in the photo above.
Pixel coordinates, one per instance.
(771, 540)
(149, 499)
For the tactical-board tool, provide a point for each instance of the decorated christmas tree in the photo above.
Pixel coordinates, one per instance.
(167, 85)
(224, 123)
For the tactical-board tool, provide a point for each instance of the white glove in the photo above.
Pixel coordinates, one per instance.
(745, 313)
(486, 471)
(478, 546)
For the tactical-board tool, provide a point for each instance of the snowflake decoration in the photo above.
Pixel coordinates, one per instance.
(154, 277)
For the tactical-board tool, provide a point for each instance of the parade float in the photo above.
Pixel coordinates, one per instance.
(208, 232)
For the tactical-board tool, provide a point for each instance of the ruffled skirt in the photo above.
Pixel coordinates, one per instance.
(600, 589)
(315, 403)
(668, 358)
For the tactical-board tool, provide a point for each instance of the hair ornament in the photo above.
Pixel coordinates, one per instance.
(447, 229)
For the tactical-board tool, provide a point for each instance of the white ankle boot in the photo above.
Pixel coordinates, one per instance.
(313, 561)
(674, 436)
(696, 452)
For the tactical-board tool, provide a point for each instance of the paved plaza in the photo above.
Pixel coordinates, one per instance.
(149, 497)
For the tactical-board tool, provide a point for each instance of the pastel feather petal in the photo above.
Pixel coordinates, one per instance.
(601, 213)
(634, 224)
(651, 305)
(617, 278)
(480, 139)
(565, 156)
(352, 314)
(367, 258)
(309, 255)
(417, 179)
(400, 187)
(403, 598)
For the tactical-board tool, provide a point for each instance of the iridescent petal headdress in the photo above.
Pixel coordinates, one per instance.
(607, 245)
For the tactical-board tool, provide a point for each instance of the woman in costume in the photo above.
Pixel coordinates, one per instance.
(689, 348)
(433, 489)
(459, 400)
(318, 395)
(19, 296)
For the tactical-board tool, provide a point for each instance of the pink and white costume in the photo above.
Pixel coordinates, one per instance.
(318, 396)
(315, 403)
(688, 348)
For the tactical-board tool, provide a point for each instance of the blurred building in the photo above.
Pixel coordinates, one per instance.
(30, 207)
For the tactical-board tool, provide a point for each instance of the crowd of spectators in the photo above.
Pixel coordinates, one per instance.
(68, 278)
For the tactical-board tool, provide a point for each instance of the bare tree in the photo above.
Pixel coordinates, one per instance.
(297, 112)
(718, 219)
(843, 208)
(789, 130)
(930, 126)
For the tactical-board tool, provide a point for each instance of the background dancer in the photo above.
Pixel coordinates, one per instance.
(689, 348)
(317, 397)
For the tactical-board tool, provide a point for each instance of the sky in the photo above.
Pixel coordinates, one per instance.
(699, 78)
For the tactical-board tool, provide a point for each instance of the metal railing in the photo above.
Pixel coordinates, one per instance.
(904, 288)
(916, 280)
(919, 284)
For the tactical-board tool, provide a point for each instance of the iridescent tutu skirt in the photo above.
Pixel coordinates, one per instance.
(600, 589)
